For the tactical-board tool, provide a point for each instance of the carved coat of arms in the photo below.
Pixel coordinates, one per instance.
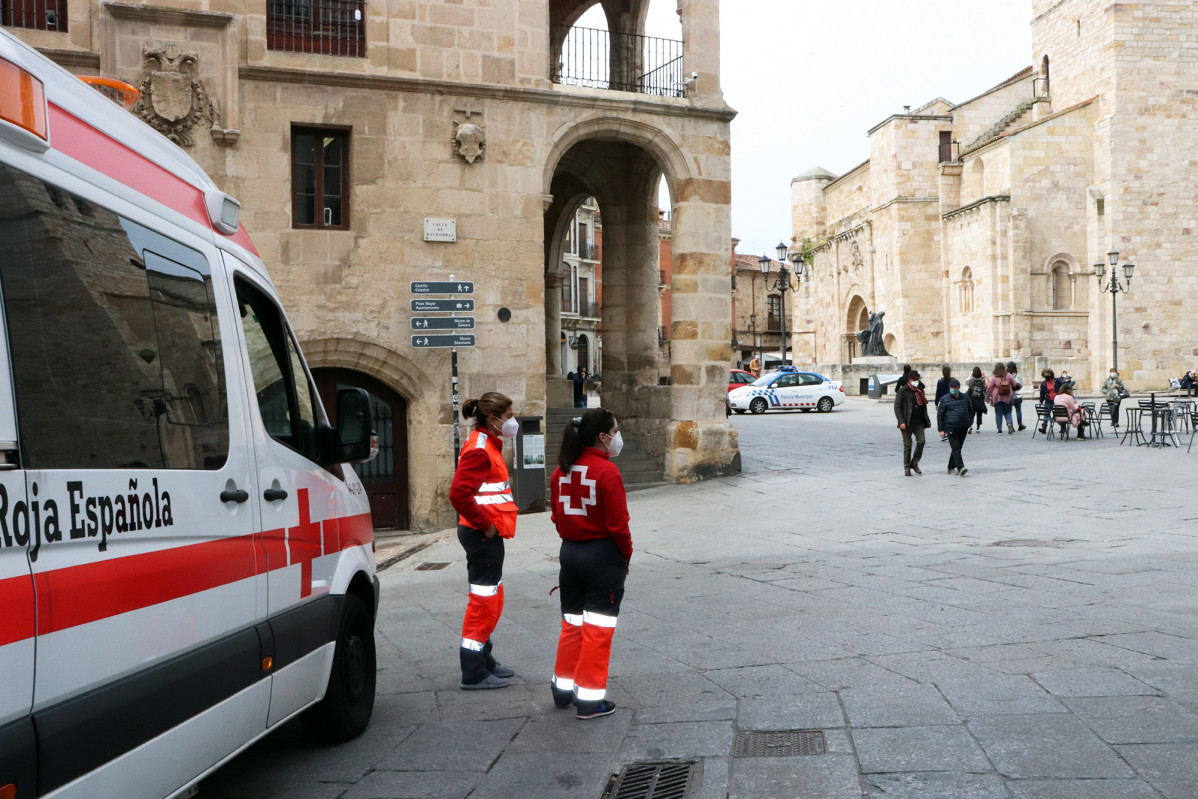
(173, 97)
(469, 141)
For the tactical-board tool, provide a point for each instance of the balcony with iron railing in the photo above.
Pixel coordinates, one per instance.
(43, 15)
(627, 62)
(324, 27)
(584, 310)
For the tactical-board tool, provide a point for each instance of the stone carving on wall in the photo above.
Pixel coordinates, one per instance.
(173, 96)
(855, 256)
(469, 141)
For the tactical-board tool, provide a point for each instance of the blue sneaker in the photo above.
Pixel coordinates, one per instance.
(593, 710)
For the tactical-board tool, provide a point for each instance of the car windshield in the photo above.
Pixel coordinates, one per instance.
(765, 380)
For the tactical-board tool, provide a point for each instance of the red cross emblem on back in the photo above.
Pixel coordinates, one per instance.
(575, 486)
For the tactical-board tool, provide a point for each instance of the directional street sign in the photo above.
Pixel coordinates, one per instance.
(442, 322)
(430, 342)
(442, 306)
(442, 287)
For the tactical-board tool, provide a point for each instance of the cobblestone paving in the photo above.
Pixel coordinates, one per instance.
(1026, 631)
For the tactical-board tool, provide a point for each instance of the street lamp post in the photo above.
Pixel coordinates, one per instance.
(1114, 287)
(782, 283)
(756, 343)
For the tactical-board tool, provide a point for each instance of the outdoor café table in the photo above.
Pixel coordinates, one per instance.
(1162, 422)
(1131, 426)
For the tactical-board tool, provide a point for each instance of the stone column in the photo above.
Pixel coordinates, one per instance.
(701, 47)
(553, 323)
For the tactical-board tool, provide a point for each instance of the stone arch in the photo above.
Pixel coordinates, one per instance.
(891, 343)
(387, 366)
(965, 291)
(856, 315)
(668, 156)
(1044, 85)
(975, 187)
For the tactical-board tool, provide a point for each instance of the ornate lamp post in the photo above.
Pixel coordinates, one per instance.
(1114, 287)
(782, 283)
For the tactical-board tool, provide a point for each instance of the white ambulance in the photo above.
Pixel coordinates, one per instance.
(186, 561)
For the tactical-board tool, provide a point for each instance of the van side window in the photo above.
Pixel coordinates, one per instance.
(116, 351)
(285, 395)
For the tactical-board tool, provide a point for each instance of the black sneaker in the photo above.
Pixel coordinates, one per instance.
(962, 471)
(593, 710)
(561, 697)
(497, 669)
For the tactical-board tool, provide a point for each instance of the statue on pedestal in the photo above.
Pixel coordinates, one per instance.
(871, 338)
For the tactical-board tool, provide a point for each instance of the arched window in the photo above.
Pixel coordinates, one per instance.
(965, 290)
(1062, 287)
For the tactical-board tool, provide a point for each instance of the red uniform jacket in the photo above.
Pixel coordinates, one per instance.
(480, 491)
(590, 502)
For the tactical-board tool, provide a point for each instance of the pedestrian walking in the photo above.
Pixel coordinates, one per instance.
(942, 383)
(999, 391)
(1114, 392)
(579, 379)
(911, 410)
(953, 418)
(482, 496)
(976, 388)
(590, 510)
(1017, 397)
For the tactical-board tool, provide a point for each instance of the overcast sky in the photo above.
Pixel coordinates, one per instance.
(809, 78)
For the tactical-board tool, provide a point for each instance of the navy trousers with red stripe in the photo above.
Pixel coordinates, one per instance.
(484, 569)
(591, 583)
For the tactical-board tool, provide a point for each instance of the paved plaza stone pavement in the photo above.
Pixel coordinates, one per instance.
(1026, 632)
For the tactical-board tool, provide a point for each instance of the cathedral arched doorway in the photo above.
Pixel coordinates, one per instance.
(856, 320)
(386, 477)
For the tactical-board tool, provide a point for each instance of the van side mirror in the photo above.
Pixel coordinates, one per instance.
(356, 441)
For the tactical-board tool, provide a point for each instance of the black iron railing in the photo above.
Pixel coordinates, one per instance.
(324, 27)
(42, 15)
(627, 62)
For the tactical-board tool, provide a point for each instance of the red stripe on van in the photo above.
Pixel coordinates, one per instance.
(16, 619)
(82, 594)
(87, 145)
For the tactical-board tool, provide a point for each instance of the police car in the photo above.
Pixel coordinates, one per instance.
(787, 388)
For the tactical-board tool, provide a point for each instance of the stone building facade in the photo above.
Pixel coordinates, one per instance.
(976, 225)
(342, 126)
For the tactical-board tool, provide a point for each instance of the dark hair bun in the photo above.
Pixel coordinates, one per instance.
(470, 408)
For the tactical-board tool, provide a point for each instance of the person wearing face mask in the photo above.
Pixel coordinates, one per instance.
(954, 415)
(590, 510)
(1114, 393)
(911, 410)
(482, 496)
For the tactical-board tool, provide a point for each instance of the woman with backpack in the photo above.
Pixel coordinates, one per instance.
(977, 396)
(1000, 392)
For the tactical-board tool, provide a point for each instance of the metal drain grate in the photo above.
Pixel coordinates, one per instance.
(431, 567)
(781, 743)
(659, 779)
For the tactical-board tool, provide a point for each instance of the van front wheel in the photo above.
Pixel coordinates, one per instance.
(349, 698)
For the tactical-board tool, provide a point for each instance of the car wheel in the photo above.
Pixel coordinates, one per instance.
(349, 698)
(739, 410)
(757, 405)
(825, 404)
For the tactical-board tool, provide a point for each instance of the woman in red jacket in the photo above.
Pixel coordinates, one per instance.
(482, 496)
(590, 510)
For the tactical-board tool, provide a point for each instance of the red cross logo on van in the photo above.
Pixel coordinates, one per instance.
(569, 489)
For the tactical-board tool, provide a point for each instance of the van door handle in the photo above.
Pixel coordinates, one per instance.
(274, 495)
(237, 496)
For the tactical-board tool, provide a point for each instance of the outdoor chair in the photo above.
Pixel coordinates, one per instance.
(1181, 412)
(1060, 418)
(1043, 421)
(1093, 420)
(1193, 429)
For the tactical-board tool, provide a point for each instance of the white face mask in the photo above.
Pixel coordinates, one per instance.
(510, 428)
(615, 445)
(914, 384)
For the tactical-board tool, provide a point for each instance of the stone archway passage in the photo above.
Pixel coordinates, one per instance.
(386, 477)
